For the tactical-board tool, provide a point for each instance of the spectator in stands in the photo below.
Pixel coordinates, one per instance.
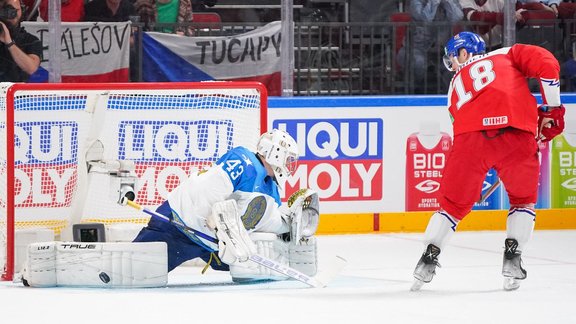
(29, 10)
(561, 10)
(27, 7)
(491, 13)
(21, 51)
(71, 10)
(569, 73)
(539, 10)
(166, 11)
(115, 11)
(202, 5)
(424, 36)
(109, 10)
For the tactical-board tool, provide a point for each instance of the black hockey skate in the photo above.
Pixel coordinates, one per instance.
(512, 265)
(426, 267)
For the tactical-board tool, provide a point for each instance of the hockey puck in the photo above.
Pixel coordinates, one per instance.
(104, 277)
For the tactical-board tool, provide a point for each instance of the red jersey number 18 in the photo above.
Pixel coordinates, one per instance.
(481, 73)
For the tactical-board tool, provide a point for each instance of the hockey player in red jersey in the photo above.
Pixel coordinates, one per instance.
(496, 124)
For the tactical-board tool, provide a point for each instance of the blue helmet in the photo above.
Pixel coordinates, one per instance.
(473, 43)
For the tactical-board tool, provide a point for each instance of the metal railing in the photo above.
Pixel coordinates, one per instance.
(385, 58)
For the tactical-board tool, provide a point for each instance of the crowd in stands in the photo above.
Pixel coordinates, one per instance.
(22, 52)
(423, 36)
(146, 11)
(489, 16)
(154, 15)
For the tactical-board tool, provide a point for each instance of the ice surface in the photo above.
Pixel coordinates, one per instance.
(373, 288)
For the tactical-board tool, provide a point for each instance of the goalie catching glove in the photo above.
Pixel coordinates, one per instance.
(234, 244)
(550, 122)
(303, 214)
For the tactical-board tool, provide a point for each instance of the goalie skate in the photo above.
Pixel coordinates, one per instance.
(426, 267)
(512, 265)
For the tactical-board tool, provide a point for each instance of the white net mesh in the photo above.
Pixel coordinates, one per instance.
(166, 131)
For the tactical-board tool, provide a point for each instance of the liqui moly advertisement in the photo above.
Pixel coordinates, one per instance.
(166, 152)
(362, 155)
(45, 161)
(340, 158)
(353, 151)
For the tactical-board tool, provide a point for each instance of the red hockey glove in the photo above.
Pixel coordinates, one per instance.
(550, 122)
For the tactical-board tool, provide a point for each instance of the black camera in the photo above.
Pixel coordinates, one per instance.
(8, 12)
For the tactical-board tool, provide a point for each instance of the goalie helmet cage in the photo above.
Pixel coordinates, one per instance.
(52, 134)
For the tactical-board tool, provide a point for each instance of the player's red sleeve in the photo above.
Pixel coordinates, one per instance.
(537, 62)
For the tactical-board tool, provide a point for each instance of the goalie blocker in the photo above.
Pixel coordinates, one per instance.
(107, 265)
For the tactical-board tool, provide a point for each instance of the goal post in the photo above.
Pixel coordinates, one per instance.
(68, 151)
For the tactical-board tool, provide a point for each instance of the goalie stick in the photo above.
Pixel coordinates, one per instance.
(320, 280)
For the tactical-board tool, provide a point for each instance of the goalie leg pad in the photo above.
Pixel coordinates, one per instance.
(109, 265)
(304, 256)
(268, 245)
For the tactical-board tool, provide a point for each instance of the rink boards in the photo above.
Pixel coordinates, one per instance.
(376, 170)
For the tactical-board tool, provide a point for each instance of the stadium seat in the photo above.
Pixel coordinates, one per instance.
(207, 20)
(537, 15)
(539, 18)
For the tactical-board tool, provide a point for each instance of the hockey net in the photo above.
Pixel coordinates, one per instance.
(68, 151)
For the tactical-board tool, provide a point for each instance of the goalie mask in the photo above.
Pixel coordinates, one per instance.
(279, 150)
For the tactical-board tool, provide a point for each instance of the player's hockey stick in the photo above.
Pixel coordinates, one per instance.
(320, 280)
(490, 191)
(497, 184)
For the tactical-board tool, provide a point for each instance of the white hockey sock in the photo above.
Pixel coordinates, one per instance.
(440, 229)
(520, 225)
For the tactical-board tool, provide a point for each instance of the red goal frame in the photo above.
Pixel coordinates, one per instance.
(13, 89)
